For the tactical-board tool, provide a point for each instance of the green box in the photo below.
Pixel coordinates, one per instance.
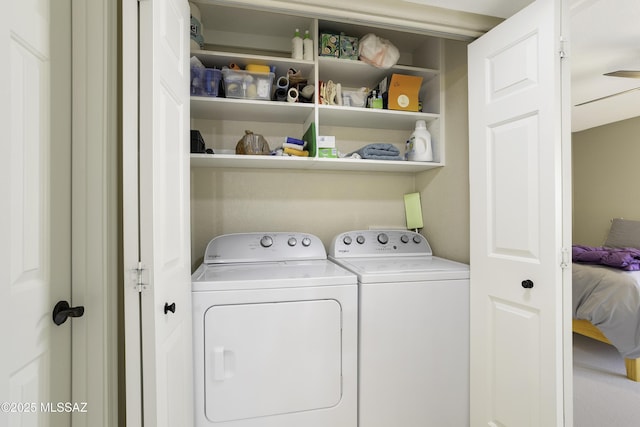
(328, 153)
(330, 45)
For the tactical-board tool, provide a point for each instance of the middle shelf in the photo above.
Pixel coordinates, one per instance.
(284, 112)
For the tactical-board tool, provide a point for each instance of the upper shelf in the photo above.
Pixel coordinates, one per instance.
(354, 73)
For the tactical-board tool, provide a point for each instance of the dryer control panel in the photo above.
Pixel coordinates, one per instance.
(264, 247)
(367, 243)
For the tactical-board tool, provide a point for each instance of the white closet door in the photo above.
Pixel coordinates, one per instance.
(518, 173)
(167, 375)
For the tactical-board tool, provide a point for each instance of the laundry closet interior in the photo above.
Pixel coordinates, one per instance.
(233, 193)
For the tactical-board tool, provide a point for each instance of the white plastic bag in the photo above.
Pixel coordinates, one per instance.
(377, 51)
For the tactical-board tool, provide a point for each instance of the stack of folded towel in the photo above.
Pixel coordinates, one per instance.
(378, 151)
(295, 147)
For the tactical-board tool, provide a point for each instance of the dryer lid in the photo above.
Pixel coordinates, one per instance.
(381, 243)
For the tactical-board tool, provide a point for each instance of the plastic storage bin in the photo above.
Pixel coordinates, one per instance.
(205, 81)
(247, 85)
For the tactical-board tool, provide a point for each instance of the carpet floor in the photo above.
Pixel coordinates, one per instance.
(603, 396)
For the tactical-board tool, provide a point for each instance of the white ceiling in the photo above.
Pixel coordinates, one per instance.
(604, 37)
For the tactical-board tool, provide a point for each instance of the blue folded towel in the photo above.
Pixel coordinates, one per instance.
(379, 151)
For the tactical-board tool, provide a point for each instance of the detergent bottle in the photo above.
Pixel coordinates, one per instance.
(419, 147)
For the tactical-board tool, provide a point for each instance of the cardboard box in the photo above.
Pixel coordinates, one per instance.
(330, 45)
(348, 47)
(403, 92)
(326, 141)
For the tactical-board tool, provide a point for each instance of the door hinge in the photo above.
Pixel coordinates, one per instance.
(566, 260)
(139, 271)
(564, 47)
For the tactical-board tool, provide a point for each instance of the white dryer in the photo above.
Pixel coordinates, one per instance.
(275, 334)
(413, 330)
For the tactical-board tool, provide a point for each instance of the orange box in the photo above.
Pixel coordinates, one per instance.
(403, 92)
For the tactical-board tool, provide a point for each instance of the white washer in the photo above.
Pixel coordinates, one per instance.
(275, 334)
(413, 330)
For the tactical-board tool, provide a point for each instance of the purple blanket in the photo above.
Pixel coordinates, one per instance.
(624, 259)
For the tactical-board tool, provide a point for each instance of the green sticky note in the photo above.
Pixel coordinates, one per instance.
(413, 211)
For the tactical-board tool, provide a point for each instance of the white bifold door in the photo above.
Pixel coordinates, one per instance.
(156, 213)
(519, 155)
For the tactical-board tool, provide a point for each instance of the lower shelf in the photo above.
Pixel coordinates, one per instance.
(284, 162)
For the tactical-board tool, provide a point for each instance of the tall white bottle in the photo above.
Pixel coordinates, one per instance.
(419, 149)
(296, 45)
(307, 46)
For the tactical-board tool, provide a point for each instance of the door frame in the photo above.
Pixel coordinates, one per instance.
(95, 222)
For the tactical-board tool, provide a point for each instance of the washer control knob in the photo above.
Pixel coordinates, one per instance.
(383, 238)
(266, 241)
(292, 241)
(417, 239)
(360, 240)
(346, 240)
(404, 238)
(306, 242)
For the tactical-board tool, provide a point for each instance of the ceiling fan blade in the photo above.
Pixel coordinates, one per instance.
(608, 96)
(634, 74)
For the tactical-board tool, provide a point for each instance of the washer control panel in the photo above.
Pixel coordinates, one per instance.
(264, 247)
(367, 243)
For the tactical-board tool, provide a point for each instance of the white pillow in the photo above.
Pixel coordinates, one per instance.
(624, 233)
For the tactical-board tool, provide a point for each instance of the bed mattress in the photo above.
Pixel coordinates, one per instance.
(610, 299)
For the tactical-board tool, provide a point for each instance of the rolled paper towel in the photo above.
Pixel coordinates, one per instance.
(281, 94)
(292, 95)
(283, 82)
(307, 91)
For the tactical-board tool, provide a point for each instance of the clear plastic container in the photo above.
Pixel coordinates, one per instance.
(205, 81)
(247, 85)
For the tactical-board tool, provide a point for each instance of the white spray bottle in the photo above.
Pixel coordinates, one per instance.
(419, 149)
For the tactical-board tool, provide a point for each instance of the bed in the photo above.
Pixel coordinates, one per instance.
(606, 292)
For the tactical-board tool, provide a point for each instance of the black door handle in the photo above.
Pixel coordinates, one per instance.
(169, 307)
(527, 284)
(62, 310)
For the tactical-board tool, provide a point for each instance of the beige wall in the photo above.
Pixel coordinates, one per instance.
(445, 191)
(327, 203)
(605, 164)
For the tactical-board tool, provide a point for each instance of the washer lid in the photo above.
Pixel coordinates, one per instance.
(403, 269)
(270, 275)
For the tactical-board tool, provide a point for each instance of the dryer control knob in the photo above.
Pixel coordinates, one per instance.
(404, 238)
(360, 240)
(266, 241)
(306, 242)
(347, 240)
(383, 238)
(417, 239)
(292, 241)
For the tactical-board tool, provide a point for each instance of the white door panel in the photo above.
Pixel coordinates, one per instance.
(35, 224)
(517, 179)
(167, 375)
